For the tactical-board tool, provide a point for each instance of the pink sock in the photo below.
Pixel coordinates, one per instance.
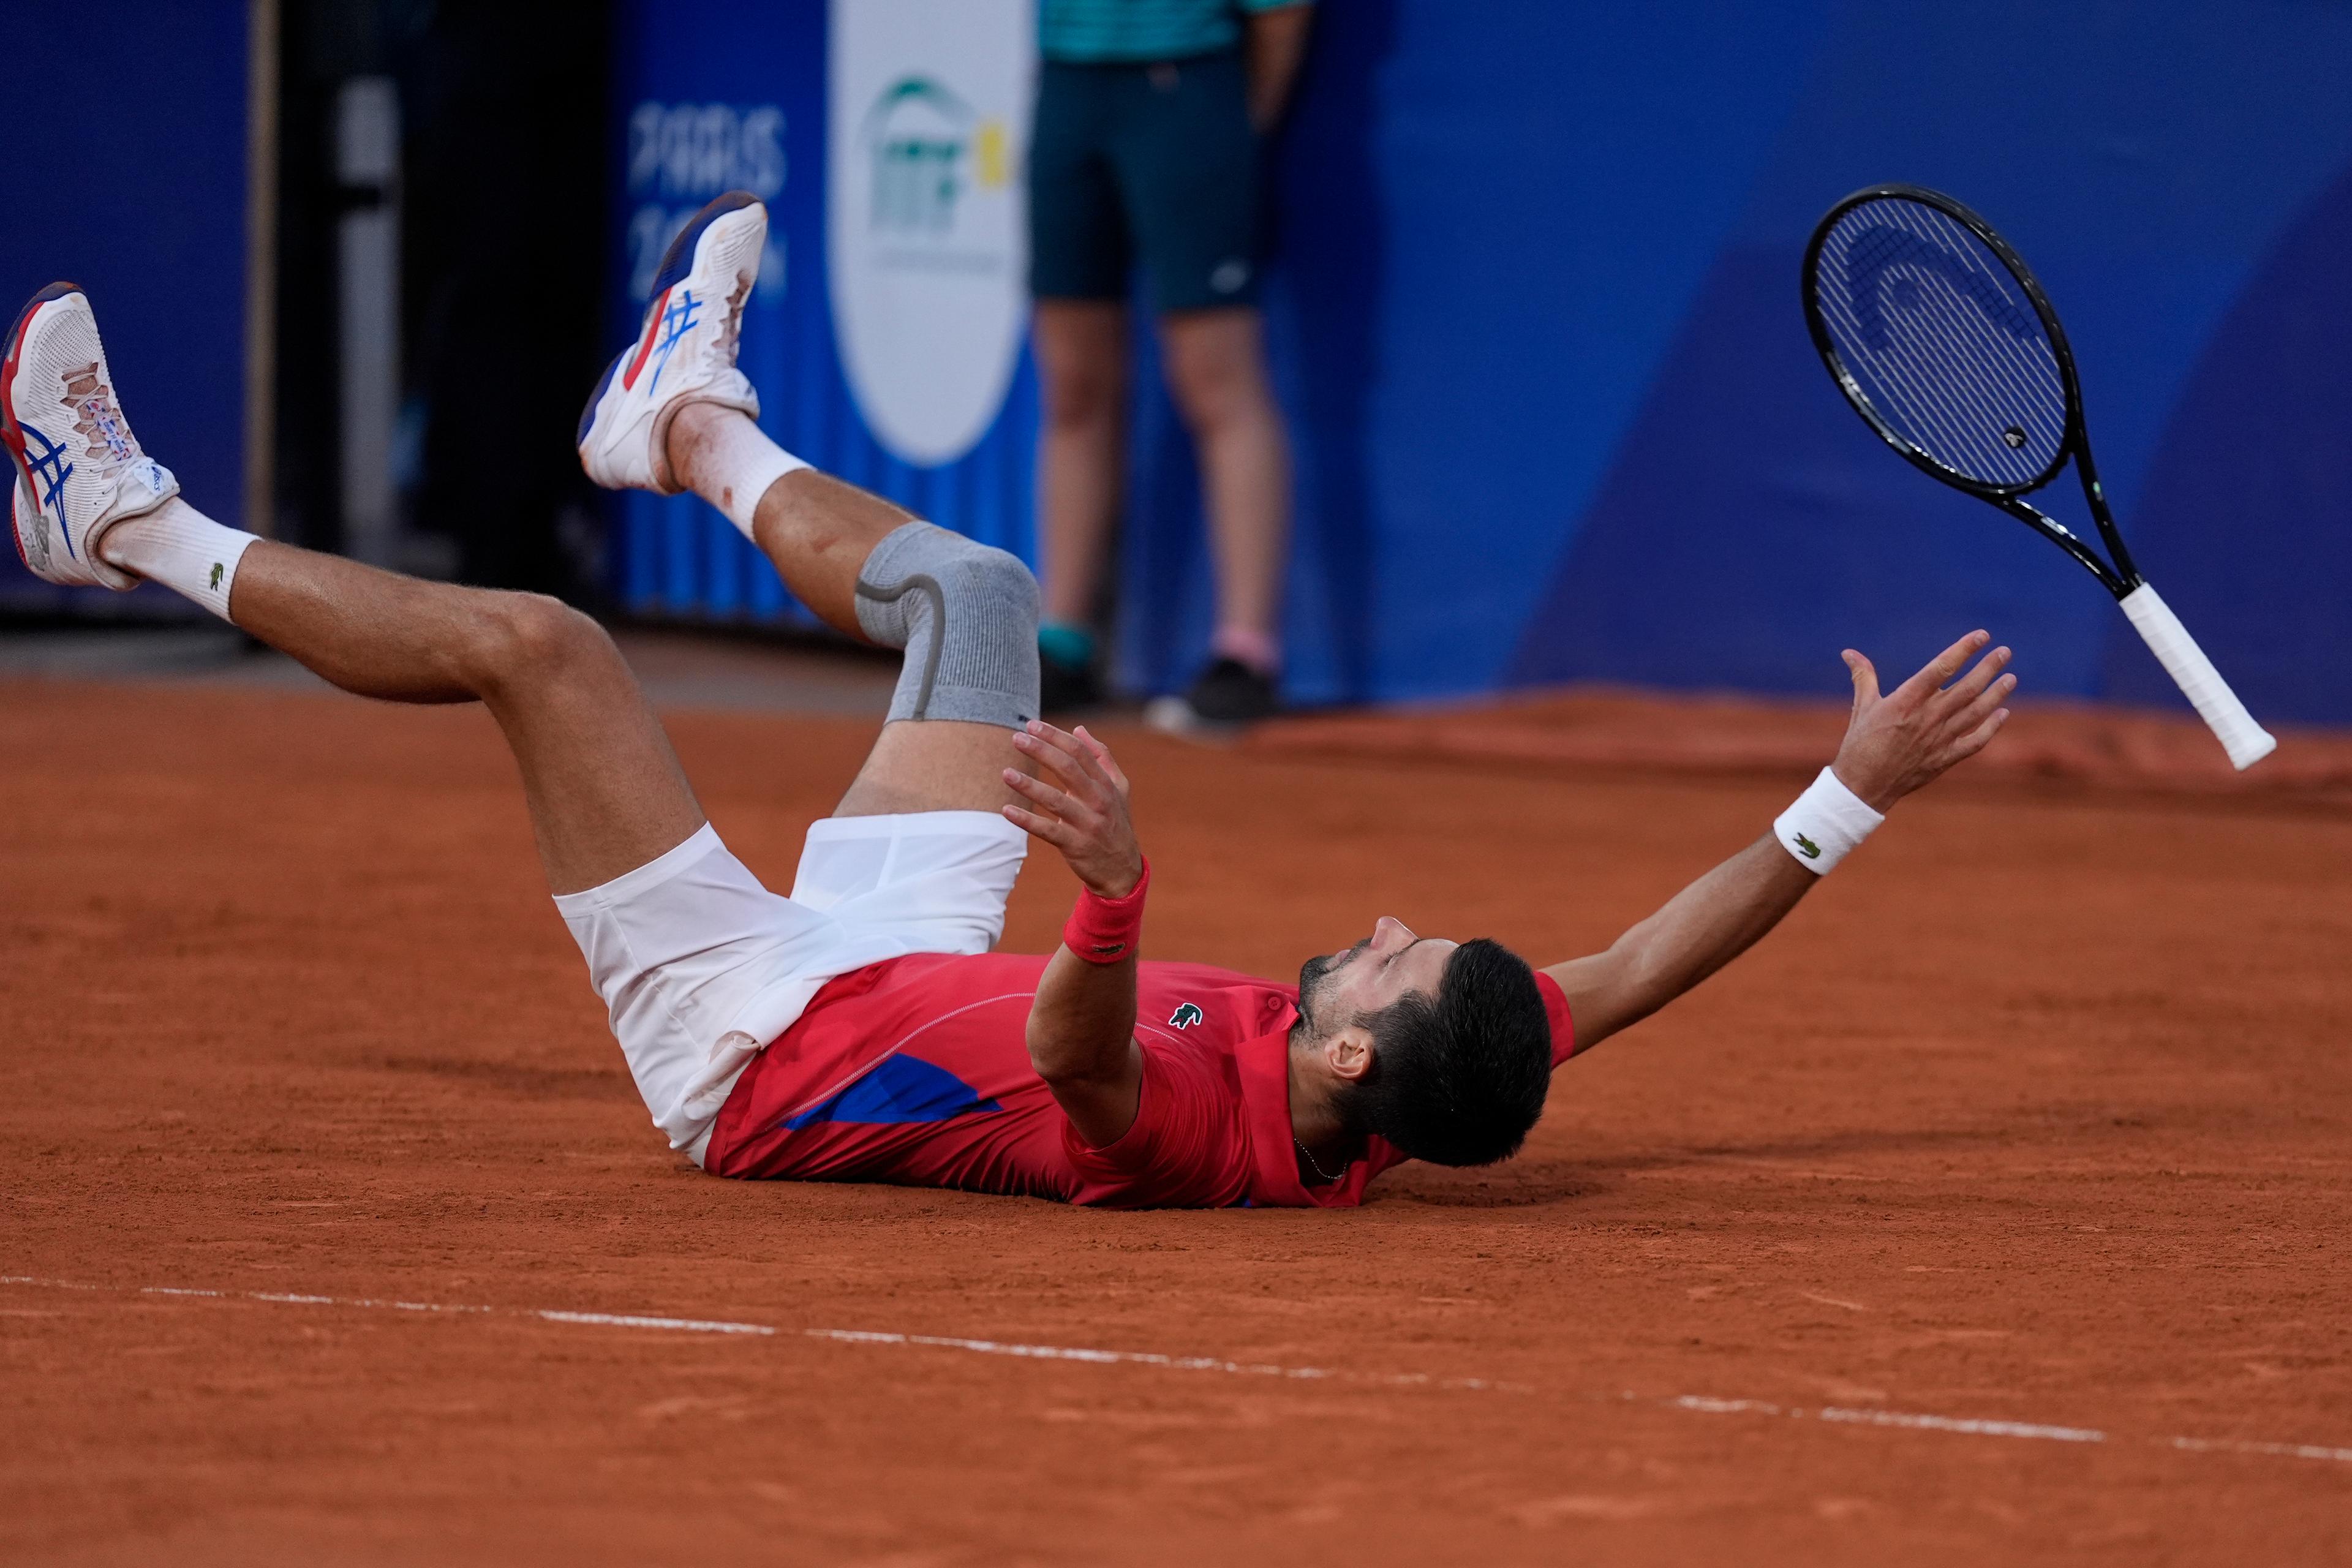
(1258, 649)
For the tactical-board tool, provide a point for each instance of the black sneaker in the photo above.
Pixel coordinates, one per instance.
(1066, 688)
(1228, 694)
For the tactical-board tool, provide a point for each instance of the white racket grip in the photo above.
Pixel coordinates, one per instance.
(2246, 741)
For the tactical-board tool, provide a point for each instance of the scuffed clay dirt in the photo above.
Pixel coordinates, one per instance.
(1920, 1235)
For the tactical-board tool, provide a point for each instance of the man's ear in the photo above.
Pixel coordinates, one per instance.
(1349, 1052)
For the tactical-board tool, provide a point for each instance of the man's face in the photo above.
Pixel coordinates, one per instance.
(1385, 967)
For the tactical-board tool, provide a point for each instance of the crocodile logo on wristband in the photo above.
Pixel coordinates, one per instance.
(1808, 849)
(1107, 949)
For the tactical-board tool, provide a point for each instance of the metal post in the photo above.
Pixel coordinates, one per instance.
(261, 90)
(367, 165)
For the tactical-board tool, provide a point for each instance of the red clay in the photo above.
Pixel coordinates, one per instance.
(2111, 749)
(2037, 1113)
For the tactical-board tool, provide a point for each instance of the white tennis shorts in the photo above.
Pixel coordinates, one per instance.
(701, 966)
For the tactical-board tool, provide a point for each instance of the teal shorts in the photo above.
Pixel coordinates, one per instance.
(1154, 165)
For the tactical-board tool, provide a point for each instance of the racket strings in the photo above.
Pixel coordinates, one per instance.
(1943, 348)
(1923, 322)
(1942, 342)
(1947, 357)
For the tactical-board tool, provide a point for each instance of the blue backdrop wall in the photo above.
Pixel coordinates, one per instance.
(131, 182)
(1534, 313)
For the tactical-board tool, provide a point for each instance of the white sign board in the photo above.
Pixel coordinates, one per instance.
(926, 228)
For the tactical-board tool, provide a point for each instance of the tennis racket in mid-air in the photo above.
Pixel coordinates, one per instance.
(1940, 338)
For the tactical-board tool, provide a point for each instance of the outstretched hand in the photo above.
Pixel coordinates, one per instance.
(1086, 817)
(1901, 741)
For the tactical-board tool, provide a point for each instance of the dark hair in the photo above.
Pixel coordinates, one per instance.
(1457, 1078)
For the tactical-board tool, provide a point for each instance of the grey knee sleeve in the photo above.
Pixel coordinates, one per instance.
(967, 617)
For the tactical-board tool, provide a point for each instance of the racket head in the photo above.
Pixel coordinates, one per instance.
(1942, 338)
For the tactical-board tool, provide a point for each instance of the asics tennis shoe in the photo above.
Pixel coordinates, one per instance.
(686, 351)
(79, 470)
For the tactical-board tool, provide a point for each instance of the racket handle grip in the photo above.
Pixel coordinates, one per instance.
(2246, 741)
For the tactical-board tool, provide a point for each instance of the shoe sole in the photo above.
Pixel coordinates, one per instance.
(678, 259)
(676, 263)
(16, 516)
(12, 435)
(1174, 716)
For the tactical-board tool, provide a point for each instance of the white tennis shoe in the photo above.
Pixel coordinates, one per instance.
(79, 470)
(686, 352)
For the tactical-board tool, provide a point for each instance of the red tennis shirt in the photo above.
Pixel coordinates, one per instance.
(916, 1071)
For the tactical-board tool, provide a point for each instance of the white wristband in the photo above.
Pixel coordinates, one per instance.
(1827, 821)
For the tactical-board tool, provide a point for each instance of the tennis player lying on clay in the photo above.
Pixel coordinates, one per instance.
(862, 1029)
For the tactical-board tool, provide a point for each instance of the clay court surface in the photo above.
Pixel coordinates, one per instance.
(1993, 1212)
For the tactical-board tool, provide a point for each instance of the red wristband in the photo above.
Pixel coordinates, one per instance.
(1105, 931)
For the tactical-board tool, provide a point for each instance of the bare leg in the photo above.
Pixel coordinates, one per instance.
(1216, 371)
(1082, 367)
(818, 533)
(605, 791)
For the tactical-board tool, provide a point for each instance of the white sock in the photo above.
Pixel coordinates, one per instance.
(181, 548)
(733, 467)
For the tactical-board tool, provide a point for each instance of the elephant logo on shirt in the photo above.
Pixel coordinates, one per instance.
(1185, 1016)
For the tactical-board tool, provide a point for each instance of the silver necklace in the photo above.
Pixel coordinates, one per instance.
(1308, 1156)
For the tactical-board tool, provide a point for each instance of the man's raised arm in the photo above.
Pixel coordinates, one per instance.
(1082, 1022)
(1893, 745)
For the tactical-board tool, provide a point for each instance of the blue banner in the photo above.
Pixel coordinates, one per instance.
(1535, 320)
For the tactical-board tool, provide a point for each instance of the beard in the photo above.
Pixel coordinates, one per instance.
(1314, 976)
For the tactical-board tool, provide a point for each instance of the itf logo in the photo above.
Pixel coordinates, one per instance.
(925, 236)
(928, 147)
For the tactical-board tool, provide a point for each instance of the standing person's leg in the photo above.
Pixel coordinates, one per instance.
(1081, 348)
(1080, 253)
(1215, 363)
(1188, 162)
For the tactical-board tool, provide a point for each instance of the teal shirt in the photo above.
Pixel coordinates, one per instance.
(1099, 32)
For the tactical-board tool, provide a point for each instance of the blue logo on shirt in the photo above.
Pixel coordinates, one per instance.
(899, 1088)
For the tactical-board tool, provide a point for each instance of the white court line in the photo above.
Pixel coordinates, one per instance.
(1703, 1405)
(636, 1321)
(1965, 1424)
(1956, 1423)
(1152, 1358)
(2284, 1451)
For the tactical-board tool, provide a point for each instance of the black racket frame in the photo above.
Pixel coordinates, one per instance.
(2118, 579)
